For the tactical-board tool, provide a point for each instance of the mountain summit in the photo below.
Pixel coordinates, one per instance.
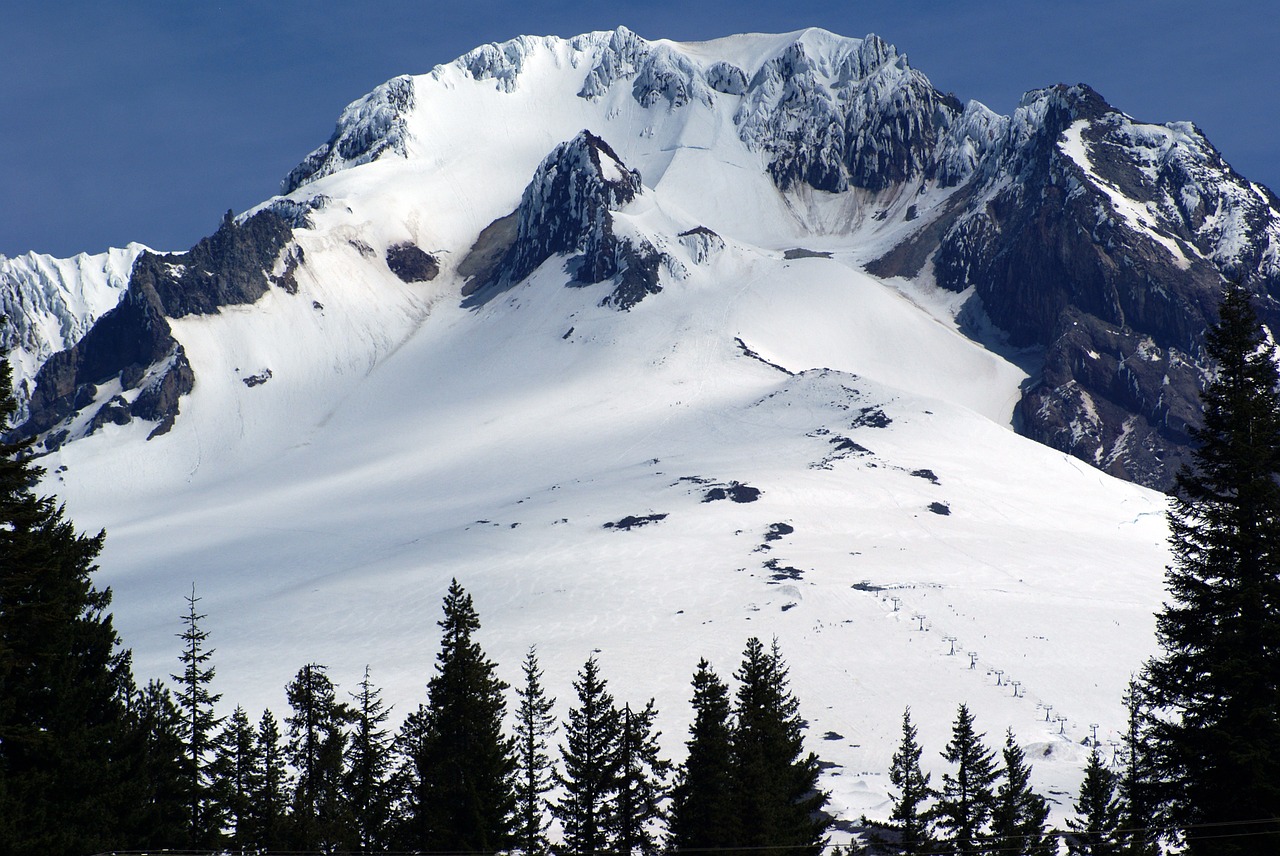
(1090, 242)
(652, 344)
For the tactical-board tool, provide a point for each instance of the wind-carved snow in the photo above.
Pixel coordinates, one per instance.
(367, 129)
(860, 116)
(50, 303)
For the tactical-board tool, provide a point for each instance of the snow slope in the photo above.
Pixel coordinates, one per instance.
(350, 448)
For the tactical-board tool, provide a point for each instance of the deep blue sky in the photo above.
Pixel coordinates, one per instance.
(144, 121)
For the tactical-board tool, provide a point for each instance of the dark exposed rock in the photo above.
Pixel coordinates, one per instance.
(114, 412)
(777, 531)
(566, 210)
(482, 264)
(133, 343)
(872, 417)
(257, 379)
(158, 400)
(411, 263)
(727, 78)
(926, 474)
(634, 522)
(1100, 245)
(783, 572)
(802, 253)
(847, 446)
(735, 491)
(287, 279)
(229, 267)
(940, 508)
(123, 343)
(746, 351)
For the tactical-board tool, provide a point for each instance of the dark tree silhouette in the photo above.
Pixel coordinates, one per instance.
(1215, 688)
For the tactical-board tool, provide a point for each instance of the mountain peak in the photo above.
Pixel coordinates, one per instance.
(367, 129)
(567, 209)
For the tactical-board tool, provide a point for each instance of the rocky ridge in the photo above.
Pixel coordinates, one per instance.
(1094, 244)
(567, 210)
(128, 365)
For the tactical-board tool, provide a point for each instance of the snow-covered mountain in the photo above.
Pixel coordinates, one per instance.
(657, 346)
(49, 304)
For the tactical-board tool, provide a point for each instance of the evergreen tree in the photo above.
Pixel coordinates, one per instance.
(234, 776)
(199, 723)
(635, 814)
(775, 785)
(702, 804)
(158, 790)
(1019, 814)
(1214, 688)
(409, 817)
(1094, 829)
(67, 747)
(1138, 787)
(269, 820)
(369, 767)
(910, 821)
(590, 761)
(317, 742)
(534, 725)
(967, 799)
(465, 766)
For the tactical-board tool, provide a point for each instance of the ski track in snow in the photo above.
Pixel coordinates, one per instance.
(401, 441)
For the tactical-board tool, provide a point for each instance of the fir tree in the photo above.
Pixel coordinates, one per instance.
(1019, 814)
(233, 777)
(635, 814)
(68, 752)
(702, 804)
(967, 798)
(369, 767)
(159, 800)
(589, 758)
(775, 785)
(535, 723)
(1138, 787)
(1094, 829)
(1214, 688)
(410, 817)
(317, 740)
(464, 766)
(199, 723)
(910, 821)
(269, 820)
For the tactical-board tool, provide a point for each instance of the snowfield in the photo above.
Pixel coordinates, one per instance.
(906, 546)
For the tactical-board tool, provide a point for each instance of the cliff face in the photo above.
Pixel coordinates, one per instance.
(128, 364)
(1093, 244)
(1102, 244)
(567, 209)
